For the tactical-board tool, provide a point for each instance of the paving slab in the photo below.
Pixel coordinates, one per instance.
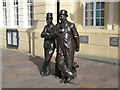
(22, 70)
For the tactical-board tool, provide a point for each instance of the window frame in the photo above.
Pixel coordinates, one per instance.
(30, 21)
(12, 31)
(16, 13)
(4, 9)
(94, 15)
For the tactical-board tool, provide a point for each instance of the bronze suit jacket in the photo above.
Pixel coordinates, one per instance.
(67, 36)
(47, 32)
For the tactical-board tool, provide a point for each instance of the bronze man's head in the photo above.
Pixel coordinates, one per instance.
(63, 15)
(49, 18)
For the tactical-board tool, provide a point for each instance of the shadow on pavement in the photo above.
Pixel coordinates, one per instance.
(38, 61)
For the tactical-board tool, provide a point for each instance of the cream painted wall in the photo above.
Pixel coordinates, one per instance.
(119, 27)
(98, 38)
(119, 16)
(3, 37)
(39, 22)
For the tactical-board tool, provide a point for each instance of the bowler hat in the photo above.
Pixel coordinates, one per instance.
(63, 12)
(49, 15)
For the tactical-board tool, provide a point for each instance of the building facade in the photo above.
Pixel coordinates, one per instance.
(97, 22)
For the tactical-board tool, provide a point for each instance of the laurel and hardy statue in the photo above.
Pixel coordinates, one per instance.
(64, 37)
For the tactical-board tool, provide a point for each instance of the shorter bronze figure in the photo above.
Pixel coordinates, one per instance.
(49, 44)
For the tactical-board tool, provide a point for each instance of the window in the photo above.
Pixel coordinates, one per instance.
(4, 13)
(12, 38)
(29, 1)
(94, 14)
(16, 17)
(30, 12)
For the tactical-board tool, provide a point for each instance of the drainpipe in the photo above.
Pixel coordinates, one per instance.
(29, 43)
(58, 9)
(57, 71)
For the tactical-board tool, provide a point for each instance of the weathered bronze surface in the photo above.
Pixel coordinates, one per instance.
(67, 43)
(67, 39)
(49, 44)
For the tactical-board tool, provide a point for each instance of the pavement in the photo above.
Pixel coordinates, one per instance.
(22, 70)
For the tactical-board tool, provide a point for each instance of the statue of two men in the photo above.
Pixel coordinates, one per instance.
(67, 43)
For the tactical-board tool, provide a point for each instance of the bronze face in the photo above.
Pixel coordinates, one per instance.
(63, 18)
(49, 20)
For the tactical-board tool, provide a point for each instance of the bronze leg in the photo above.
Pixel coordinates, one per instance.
(62, 63)
(46, 67)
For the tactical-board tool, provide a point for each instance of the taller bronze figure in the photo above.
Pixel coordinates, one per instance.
(49, 44)
(67, 39)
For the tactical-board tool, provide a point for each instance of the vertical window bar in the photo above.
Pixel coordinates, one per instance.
(16, 2)
(16, 16)
(4, 13)
(30, 12)
(4, 3)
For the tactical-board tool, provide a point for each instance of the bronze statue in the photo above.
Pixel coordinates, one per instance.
(67, 39)
(49, 44)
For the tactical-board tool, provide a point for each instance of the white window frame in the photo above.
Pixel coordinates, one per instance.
(94, 16)
(4, 8)
(30, 21)
(16, 13)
